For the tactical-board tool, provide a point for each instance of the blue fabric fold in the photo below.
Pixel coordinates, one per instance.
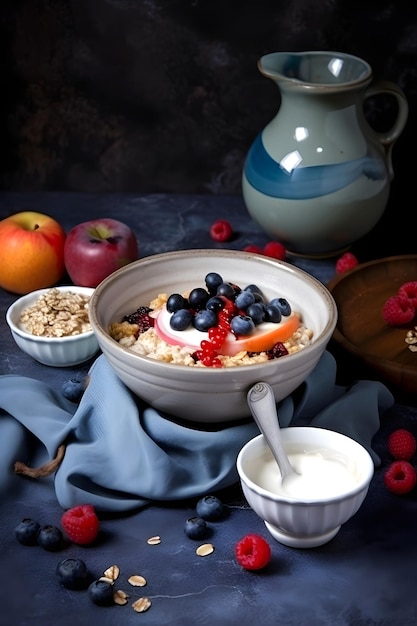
(121, 454)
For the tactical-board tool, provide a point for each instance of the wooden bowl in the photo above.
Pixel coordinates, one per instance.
(361, 330)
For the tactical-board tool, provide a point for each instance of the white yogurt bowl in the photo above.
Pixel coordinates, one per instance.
(310, 512)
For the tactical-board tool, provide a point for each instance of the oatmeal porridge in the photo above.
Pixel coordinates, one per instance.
(204, 328)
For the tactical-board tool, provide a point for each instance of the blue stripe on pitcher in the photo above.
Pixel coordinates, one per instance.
(270, 178)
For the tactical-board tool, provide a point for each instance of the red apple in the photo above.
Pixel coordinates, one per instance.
(31, 252)
(97, 248)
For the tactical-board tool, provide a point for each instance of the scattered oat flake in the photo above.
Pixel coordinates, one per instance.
(120, 597)
(141, 605)
(154, 541)
(112, 573)
(205, 549)
(137, 581)
(106, 579)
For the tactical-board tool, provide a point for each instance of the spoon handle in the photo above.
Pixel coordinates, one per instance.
(262, 404)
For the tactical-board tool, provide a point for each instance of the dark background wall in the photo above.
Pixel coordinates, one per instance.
(165, 95)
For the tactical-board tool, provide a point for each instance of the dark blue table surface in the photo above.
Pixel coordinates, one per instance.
(365, 576)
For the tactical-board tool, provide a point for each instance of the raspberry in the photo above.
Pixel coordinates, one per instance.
(275, 250)
(400, 477)
(221, 230)
(81, 524)
(253, 248)
(397, 311)
(402, 444)
(346, 262)
(253, 552)
(409, 290)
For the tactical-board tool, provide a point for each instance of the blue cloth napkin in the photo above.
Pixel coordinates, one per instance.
(121, 454)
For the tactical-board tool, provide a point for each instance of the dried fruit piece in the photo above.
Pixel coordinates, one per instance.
(253, 552)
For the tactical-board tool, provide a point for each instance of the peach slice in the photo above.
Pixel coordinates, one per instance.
(263, 338)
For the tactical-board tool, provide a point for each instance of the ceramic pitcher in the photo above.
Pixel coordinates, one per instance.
(317, 177)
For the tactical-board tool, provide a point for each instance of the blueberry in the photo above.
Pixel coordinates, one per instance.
(73, 574)
(181, 319)
(242, 325)
(101, 593)
(257, 312)
(27, 532)
(175, 302)
(203, 320)
(213, 280)
(73, 389)
(283, 305)
(195, 528)
(256, 291)
(210, 508)
(215, 303)
(273, 314)
(198, 298)
(50, 538)
(244, 299)
(226, 290)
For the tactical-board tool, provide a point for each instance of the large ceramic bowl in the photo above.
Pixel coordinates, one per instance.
(205, 394)
(308, 514)
(52, 351)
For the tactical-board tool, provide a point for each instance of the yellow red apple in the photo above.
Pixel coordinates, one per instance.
(96, 248)
(31, 252)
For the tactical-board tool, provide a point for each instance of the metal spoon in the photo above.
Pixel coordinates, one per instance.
(264, 411)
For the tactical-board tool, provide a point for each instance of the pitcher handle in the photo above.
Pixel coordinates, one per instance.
(388, 138)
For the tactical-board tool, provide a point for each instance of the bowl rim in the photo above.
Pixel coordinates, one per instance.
(135, 357)
(33, 295)
(280, 498)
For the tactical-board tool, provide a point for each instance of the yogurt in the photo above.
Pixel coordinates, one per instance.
(320, 474)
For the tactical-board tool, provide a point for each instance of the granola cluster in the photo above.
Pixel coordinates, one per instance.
(57, 314)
